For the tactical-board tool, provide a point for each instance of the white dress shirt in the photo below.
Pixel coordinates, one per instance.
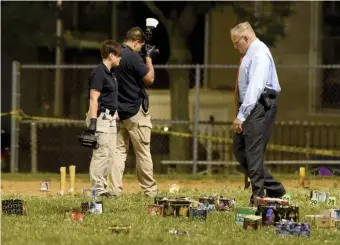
(257, 71)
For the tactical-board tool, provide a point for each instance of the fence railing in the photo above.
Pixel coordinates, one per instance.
(33, 92)
(47, 145)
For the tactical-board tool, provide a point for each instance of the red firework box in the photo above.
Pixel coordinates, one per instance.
(155, 209)
(269, 201)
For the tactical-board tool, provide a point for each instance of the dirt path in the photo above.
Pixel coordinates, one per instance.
(130, 185)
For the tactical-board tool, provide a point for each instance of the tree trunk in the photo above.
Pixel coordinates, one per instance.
(180, 147)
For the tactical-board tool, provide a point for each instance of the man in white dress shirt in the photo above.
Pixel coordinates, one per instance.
(256, 89)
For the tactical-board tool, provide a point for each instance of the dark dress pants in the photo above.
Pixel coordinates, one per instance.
(249, 148)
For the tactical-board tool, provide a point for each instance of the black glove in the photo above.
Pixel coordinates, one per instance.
(151, 51)
(93, 125)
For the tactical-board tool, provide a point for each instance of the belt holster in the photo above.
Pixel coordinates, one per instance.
(145, 101)
(103, 110)
(268, 97)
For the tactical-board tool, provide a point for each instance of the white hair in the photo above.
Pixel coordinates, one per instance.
(241, 28)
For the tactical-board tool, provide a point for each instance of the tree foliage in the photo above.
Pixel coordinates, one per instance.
(27, 24)
(268, 22)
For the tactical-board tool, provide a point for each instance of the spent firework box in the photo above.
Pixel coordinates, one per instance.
(155, 209)
(198, 214)
(221, 203)
(241, 212)
(94, 207)
(14, 206)
(269, 201)
(272, 214)
(252, 222)
(175, 210)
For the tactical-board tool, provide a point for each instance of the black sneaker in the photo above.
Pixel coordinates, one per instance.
(106, 195)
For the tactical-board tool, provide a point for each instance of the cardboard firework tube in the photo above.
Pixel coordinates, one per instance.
(72, 170)
(62, 180)
(302, 175)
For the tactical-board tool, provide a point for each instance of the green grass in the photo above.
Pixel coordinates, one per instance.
(45, 223)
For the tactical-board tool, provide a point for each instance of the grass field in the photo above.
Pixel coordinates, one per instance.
(45, 222)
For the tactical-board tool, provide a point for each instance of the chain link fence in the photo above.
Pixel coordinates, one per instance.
(330, 98)
(191, 108)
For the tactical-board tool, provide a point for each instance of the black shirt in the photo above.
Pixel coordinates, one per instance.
(130, 84)
(105, 81)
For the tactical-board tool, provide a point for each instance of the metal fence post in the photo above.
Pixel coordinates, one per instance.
(59, 82)
(34, 148)
(196, 117)
(308, 144)
(209, 148)
(14, 117)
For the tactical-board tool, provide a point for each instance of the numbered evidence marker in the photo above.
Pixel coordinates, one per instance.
(287, 197)
(319, 197)
(314, 201)
(332, 200)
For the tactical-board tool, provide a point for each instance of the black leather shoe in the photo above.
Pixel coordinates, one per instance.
(276, 194)
(106, 195)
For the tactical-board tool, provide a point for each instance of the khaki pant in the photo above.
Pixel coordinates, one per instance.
(138, 129)
(103, 158)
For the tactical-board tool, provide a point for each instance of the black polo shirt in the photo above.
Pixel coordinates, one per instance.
(105, 81)
(130, 73)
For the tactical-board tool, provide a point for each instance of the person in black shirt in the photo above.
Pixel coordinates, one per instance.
(135, 123)
(101, 117)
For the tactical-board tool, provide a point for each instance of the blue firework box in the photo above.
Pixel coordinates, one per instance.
(272, 214)
(198, 214)
(290, 228)
(221, 203)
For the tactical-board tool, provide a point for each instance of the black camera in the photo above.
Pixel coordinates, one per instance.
(88, 140)
(151, 24)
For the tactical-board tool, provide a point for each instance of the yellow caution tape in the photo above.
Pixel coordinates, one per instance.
(20, 114)
(17, 112)
(273, 147)
(281, 148)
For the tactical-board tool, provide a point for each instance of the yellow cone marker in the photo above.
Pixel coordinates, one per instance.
(302, 176)
(72, 170)
(62, 180)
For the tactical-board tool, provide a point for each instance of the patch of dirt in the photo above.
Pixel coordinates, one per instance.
(33, 187)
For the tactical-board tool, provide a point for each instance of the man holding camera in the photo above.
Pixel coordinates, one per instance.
(135, 123)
